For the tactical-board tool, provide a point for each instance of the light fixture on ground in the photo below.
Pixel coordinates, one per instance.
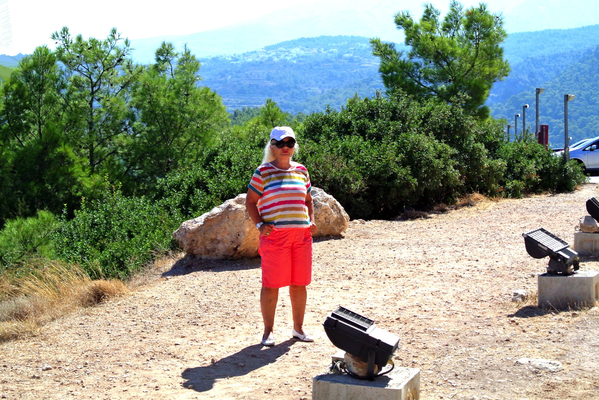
(359, 336)
(567, 98)
(516, 126)
(538, 91)
(508, 131)
(541, 243)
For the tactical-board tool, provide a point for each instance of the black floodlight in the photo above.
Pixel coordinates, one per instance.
(359, 336)
(593, 208)
(540, 243)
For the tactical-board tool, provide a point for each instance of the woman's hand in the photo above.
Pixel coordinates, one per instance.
(266, 229)
(313, 228)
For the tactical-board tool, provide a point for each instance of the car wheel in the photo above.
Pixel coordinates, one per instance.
(582, 165)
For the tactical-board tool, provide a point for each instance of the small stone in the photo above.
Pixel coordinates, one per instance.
(519, 295)
(189, 386)
(36, 377)
(240, 364)
(46, 368)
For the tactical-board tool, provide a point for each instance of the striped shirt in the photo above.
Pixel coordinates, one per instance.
(282, 195)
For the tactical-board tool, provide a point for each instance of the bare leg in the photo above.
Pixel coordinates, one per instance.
(268, 305)
(298, 295)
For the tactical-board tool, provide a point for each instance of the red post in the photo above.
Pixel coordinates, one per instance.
(544, 135)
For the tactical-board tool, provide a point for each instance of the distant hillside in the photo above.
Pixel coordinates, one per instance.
(328, 18)
(523, 45)
(10, 61)
(302, 75)
(361, 18)
(576, 75)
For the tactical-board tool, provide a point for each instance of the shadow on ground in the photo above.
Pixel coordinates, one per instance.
(531, 312)
(190, 264)
(241, 363)
(534, 311)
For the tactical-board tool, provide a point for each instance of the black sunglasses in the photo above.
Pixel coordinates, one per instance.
(280, 144)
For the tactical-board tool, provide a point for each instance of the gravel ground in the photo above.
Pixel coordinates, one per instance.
(443, 284)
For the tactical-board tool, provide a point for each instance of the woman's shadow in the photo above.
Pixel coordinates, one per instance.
(241, 363)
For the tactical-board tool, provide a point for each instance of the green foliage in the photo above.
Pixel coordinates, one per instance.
(175, 118)
(221, 173)
(5, 73)
(532, 169)
(24, 238)
(243, 115)
(98, 74)
(39, 169)
(115, 236)
(460, 55)
(271, 115)
(377, 156)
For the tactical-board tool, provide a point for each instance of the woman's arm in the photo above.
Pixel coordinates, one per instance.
(251, 205)
(310, 205)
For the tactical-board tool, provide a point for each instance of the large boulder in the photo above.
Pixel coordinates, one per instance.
(227, 231)
(331, 218)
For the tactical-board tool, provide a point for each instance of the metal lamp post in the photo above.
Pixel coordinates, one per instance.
(539, 91)
(516, 125)
(524, 107)
(567, 98)
(508, 132)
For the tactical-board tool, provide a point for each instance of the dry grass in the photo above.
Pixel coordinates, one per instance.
(471, 200)
(476, 200)
(46, 294)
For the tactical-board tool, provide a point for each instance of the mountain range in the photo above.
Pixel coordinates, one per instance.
(360, 18)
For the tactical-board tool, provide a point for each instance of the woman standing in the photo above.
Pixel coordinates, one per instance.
(280, 204)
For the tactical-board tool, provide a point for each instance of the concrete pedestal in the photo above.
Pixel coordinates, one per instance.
(400, 384)
(586, 244)
(578, 290)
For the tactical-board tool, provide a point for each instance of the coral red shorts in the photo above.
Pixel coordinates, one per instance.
(286, 257)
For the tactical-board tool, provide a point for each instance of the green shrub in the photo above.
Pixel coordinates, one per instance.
(222, 172)
(377, 156)
(24, 238)
(530, 168)
(116, 236)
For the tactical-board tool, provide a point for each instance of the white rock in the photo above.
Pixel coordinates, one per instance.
(588, 224)
(519, 295)
(224, 232)
(331, 218)
(541, 364)
(228, 232)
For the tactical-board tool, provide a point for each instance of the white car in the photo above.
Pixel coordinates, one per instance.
(586, 153)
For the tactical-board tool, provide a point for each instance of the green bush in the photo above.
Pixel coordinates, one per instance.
(530, 168)
(24, 238)
(116, 236)
(377, 156)
(222, 172)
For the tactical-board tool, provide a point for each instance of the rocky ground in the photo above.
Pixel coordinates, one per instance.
(442, 284)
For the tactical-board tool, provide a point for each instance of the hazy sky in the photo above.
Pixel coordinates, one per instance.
(25, 24)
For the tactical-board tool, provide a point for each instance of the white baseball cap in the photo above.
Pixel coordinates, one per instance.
(281, 132)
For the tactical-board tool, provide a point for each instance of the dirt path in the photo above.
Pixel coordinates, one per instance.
(442, 284)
